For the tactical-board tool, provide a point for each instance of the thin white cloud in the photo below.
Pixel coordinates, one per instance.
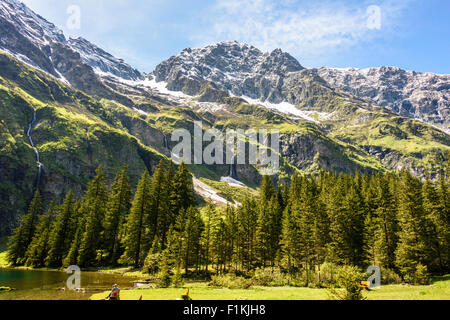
(305, 30)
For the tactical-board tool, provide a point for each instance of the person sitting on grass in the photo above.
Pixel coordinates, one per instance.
(186, 295)
(114, 294)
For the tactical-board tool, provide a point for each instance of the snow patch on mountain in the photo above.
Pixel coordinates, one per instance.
(283, 107)
(209, 193)
(161, 87)
(232, 182)
(102, 61)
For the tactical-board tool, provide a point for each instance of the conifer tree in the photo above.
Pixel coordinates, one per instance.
(169, 207)
(191, 237)
(276, 218)
(159, 218)
(437, 235)
(337, 248)
(411, 250)
(60, 237)
(119, 204)
(263, 234)
(355, 209)
(174, 253)
(38, 249)
(369, 193)
(135, 223)
(266, 190)
(386, 225)
(247, 216)
(182, 190)
(24, 233)
(211, 221)
(442, 220)
(93, 208)
(231, 236)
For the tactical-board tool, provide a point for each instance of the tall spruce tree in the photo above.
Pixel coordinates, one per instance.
(135, 228)
(38, 249)
(24, 233)
(159, 218)
(191, 238)
(211, 221)
(386, 225)
(442, 221)
(119, 204)
(168, 213)
(437, 234)
(72, 256)
(93, 208)
(61, 235)
(411, 250)
(231, 237)
(247, 216)
(182, 190)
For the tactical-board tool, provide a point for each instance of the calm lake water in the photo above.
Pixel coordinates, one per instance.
(45, 285)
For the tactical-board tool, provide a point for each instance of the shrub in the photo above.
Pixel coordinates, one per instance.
(151, 264)
(177, 280)
(164, 278)
(305, 278)
(326, 275)
(349, 279)
(230, 281)
(389, 276)
(270, 277)
(421, 275)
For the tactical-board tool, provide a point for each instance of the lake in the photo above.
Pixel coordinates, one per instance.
(47, 285)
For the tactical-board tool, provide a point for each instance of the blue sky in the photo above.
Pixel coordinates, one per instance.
(411, 34)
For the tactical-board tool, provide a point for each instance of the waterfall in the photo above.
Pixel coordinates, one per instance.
(233, 169)
(36, 151)
(232, 179)
(166, 144)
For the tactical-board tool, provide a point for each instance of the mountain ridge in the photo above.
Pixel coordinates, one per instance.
(104, 104)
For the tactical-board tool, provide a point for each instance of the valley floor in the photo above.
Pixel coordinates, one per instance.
(439, 290)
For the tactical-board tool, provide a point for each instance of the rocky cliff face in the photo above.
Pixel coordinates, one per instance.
(422, 96)
(233, 67)
(32, 39)
(103, 62)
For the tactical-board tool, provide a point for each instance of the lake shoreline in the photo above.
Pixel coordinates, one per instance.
(44, 284)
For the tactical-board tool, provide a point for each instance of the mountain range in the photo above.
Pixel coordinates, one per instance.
(68, 106)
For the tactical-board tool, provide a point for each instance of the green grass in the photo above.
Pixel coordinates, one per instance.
(124, 271)
(3, 262)
(439, 290)
(3, 245)
(202, 292)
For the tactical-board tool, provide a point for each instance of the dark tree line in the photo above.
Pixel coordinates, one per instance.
(394, 221)
(106, 226)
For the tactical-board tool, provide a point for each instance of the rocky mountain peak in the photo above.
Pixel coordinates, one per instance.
(34, 40)
(30, 24)
(234, 67)
(101, 61)
(423, 96)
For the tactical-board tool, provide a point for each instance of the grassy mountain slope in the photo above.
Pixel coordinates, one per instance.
(74, 134)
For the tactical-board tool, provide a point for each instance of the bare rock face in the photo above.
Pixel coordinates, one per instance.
(102, 61)
(32, 39)
(422, 96)
(233, 67)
